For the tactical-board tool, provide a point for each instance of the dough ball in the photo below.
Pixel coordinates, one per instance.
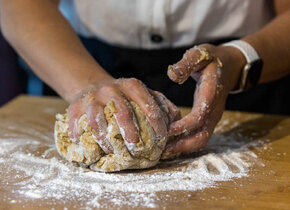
(88, 153)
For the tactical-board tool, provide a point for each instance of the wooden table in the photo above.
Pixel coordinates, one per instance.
(266, 187)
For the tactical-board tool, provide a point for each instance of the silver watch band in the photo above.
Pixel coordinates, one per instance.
(251, 56)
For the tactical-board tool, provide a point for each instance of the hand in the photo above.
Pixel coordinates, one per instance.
(120, 91)
(216, 69)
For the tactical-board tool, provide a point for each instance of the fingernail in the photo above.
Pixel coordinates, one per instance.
(171, 74)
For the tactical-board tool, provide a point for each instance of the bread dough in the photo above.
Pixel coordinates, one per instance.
(88, 153)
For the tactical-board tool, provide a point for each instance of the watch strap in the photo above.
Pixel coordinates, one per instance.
(247, 50)
(252, 57)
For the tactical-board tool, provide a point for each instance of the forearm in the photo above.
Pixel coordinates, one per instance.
(46, 41)
(273, 45)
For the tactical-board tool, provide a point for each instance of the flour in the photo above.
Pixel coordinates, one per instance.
(32, 172)
(36, 172)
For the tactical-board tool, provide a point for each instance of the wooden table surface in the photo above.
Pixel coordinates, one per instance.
(266, 187)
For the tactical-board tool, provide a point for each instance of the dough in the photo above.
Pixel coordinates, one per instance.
(88, 153)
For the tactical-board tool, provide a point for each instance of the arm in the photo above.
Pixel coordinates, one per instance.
(273, 44)
(46, 41)
(215, 79)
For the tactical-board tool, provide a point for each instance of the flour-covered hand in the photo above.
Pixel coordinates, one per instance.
(216, 70)
(92, 101)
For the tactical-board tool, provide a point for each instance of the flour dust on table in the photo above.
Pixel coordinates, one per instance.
(37, 176)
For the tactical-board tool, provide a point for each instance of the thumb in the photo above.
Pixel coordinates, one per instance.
(194, 59)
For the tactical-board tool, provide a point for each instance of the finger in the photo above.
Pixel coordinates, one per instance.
(170, 108)
(97, 120)
(205, 95)
(137, 92)
(127, 123)
(196, 140)
(193, 60)
(125, 118)
(75, 111)
(191, 142)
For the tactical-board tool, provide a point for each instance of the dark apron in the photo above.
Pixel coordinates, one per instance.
(150, 66)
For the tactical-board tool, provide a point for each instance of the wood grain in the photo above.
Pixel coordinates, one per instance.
(266, 187)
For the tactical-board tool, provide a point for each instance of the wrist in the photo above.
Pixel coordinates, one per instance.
(83, 85)
(233, 61)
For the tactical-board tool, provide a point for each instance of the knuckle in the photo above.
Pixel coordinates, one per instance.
(209, 47)
(133, 82)
(125, 114)
(108, 89)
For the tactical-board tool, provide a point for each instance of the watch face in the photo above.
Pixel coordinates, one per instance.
(254, 73)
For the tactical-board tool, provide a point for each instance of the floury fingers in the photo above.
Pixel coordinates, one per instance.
(87, 152)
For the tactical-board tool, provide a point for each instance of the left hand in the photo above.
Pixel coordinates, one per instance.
(216, 70)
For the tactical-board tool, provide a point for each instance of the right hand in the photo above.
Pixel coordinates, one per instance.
(93, 99)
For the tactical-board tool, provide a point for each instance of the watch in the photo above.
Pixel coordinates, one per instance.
(251, 72)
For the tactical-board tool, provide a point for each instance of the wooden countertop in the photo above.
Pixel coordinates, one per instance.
(266, 187)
